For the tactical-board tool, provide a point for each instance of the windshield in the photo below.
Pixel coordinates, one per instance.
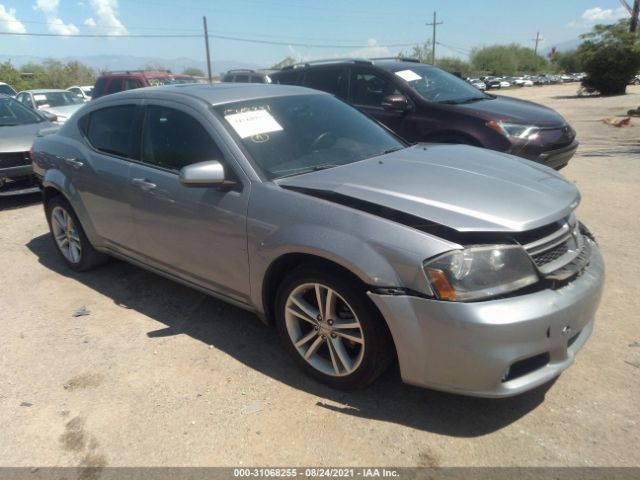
(13, 113)
(302, 133)
(436, 85)
(158, 81)
(7, 90)
(56, 99)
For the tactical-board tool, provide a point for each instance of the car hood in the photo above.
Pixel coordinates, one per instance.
(465, 188)
(19, 138)
(65, 110)
(516, 111)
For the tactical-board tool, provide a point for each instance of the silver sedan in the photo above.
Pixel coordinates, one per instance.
(466, 266)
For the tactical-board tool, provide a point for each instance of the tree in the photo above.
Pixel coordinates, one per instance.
(510, 59)
(284, 63)
(611, 57)
(10, 75)
(50, 74)
(568, 61)
(193, 71)
(421, 52)
(454, 65)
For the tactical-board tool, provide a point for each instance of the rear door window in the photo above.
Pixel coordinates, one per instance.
(331, 80)
(113, 130)
(130, 83)
(115, 86)
(291, 77)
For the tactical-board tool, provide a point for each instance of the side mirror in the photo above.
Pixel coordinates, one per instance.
(203, 174)
(398, 103)
(51, 117)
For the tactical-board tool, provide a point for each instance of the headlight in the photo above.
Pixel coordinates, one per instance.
(477, 273)
(515, 130)
(61, 119)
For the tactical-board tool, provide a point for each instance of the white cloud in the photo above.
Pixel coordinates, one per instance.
(371, 50)
(9, 22)
(50, 10)
(106, 17)
(597, 14)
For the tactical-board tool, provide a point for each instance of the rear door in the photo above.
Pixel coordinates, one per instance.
(197, 234)
(100, 172)
(334, 80)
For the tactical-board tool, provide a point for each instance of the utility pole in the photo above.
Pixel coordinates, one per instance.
(433, 38)
(634, 16)
(537, 40)
(206, 43)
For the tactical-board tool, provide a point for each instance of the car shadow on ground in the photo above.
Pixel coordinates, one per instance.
(243, 336)
(18, 201)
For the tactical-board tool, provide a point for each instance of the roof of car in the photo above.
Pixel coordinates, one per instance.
(388, 63)
(43, 90)
(218, 93)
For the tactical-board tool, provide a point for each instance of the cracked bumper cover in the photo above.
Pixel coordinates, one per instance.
(468, 348)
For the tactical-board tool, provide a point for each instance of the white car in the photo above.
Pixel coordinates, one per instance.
(504, 84)
(60, 104)
(7, 89)
(523, 82)
(85, 91)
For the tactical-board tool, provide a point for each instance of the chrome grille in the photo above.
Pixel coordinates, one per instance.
(14, 159)
(562, 253)
(550, 255)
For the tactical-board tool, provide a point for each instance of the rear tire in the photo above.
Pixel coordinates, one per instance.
(344, 343)
(69, 238)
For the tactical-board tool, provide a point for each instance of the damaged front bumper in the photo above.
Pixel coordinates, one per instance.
(496, 348)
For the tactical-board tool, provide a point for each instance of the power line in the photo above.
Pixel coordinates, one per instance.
(211, 35)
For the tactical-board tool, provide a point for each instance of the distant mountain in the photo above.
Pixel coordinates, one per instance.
(130, 62)
(565, 46)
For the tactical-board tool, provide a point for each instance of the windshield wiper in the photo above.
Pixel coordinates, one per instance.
(315, 168)
(463, 101)
(385, 152)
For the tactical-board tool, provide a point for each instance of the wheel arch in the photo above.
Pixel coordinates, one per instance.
(281, 266)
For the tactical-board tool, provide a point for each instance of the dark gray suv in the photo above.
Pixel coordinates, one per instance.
(422, 103)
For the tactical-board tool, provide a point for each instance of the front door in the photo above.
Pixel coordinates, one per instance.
(368, 90)
(197, 234)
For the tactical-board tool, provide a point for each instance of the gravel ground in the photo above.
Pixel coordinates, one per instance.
(160, 375)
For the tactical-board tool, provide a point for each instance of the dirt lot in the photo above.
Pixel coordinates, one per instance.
(158, 374)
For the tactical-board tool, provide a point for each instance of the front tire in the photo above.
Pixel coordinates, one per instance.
(331, 329)
(69, 238)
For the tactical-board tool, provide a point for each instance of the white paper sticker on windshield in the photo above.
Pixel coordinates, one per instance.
(256, 122)
(408, 75)
(39, 98)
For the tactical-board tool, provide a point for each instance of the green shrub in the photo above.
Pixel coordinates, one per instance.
(611, 58)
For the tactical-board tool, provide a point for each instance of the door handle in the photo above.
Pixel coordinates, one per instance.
(74, 162)
(144, 184)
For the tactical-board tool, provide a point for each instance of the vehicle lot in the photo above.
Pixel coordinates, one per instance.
(158, 374)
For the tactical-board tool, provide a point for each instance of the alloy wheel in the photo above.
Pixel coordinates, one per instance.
(324, 329)
(66, 234)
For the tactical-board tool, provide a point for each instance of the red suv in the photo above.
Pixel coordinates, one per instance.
(114, 82)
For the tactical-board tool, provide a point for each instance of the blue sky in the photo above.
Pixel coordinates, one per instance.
(364, 28)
